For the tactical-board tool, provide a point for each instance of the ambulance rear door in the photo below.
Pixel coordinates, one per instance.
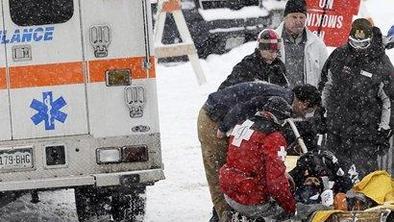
(46, 69)
(122, 98)
(5, 124)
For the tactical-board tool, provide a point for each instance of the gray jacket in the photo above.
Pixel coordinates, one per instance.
(315, 54)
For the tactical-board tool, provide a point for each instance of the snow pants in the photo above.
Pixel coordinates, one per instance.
(214, 152)
(356, 157)
(268, 210)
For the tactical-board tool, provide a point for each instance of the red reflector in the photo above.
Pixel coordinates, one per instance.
(135, 154)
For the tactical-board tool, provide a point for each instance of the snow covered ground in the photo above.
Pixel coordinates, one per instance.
(184, 195)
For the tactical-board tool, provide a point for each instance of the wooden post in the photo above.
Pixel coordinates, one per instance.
(186, 47)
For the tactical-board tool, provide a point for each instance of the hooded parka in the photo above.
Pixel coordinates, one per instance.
(253, 67)
(357, 86)
(351, 79)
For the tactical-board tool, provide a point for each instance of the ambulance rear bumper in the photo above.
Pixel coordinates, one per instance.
(100, 180)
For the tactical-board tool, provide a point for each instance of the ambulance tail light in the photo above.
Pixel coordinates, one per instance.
(135, 153)
(108, 155)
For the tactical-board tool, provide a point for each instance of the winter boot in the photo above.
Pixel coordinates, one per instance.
(215, 217)
(237, 217)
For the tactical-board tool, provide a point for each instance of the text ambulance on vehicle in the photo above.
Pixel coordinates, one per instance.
(78, 103)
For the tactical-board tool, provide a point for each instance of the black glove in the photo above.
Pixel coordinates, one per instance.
(321, 120)
(383, 141)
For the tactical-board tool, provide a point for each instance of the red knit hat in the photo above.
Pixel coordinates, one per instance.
(268, 39)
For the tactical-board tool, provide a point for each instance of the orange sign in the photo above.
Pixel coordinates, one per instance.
(331, 19)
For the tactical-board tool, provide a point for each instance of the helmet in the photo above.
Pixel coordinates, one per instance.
(320, 164)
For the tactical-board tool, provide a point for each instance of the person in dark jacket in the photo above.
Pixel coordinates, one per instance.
(254, 179)
(357, 86)
(252, 96)
(263, 64)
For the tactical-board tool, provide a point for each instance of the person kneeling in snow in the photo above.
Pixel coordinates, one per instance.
(254, 179)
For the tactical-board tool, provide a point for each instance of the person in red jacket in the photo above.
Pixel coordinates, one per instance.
(254, 179)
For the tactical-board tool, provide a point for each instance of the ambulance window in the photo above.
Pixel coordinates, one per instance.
(40, 12)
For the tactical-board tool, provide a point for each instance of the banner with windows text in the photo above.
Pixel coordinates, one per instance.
(331, 19)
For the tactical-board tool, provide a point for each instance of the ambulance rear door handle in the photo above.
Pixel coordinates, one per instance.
(100, 38)
(135, 100)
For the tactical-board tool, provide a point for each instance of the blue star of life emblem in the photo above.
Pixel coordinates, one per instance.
(48, 110)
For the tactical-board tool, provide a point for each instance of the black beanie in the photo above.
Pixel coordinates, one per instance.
(293, 6)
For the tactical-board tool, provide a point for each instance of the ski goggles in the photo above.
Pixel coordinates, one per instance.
(359, 43)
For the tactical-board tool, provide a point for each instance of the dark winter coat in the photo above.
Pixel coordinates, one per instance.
(235, 103)
(351, 82)
(255, 169)
(252, 68)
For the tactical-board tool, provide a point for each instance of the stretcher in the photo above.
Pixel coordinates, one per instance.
(375, 214)
(380, 213)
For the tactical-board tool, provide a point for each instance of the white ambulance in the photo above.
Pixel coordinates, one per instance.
(78, 103)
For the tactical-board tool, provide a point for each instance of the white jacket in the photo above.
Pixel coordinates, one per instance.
(315, 55)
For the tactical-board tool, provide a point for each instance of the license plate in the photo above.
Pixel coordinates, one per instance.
(16, 159)
(233, 42)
